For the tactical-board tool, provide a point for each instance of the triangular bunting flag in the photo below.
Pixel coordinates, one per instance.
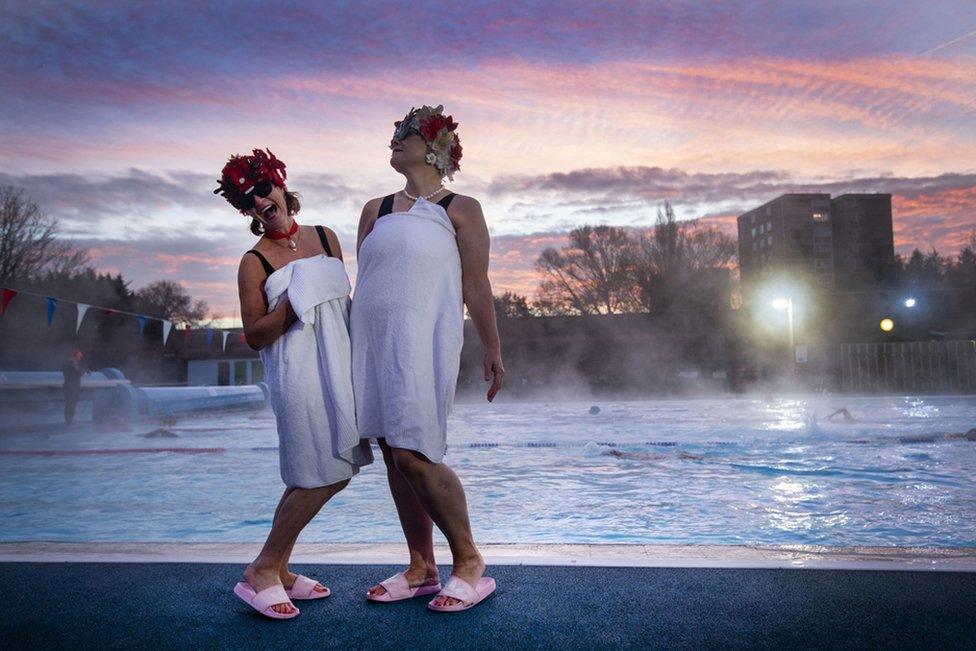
(82, 308)
(209, 337)
(8, 295)
(52, 305)
(142, 323)
(224, 347)
(242, 338)
(167, 326)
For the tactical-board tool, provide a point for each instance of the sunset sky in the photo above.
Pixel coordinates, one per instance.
(117, 116)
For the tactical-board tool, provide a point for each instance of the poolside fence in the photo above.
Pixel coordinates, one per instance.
(909, 367)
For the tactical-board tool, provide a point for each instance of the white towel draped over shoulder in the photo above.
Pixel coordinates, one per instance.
(308, 371)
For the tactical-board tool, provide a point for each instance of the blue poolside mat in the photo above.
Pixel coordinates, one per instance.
(168, 606)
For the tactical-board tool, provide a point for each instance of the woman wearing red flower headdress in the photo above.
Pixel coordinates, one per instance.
(423, 256)
(294, 295)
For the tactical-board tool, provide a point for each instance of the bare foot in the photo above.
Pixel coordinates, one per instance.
(288, 580)
(261, 578)
(469, 571)
(416, 577)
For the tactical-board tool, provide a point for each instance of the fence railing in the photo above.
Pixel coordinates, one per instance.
(909, 367)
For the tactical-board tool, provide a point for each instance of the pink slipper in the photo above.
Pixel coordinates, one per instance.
(398, 588)
(264, 600)
(458, 588)
(304, 589)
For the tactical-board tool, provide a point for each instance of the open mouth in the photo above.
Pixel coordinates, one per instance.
(269, 212)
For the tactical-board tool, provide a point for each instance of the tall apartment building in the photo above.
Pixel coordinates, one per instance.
(832, 243)
(864, 247)
(792, 233)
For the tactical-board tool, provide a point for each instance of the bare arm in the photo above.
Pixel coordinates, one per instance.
(474, 245)
(366, 220)
(260, 326)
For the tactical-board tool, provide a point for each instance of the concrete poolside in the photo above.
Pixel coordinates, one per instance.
(138, 595)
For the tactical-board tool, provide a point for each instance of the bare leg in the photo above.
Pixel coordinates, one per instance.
(442, 496)
(417, 526)
(288, 578)
(298, 506)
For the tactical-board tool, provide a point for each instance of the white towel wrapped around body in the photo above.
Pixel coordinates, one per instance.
(407, 329)
(308, 372)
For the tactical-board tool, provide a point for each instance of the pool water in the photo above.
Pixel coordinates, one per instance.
(709, 471)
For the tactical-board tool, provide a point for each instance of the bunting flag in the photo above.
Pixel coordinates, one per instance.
(242, 338)
(52, 305)
(8, 295)
(82, 308)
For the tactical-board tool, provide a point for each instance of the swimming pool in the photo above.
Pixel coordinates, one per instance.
(709, 471)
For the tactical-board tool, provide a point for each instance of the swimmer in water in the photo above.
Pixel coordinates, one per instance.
(648, 456)
(960, 436)
(843, 413)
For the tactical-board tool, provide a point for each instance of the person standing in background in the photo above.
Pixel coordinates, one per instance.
(72, 371)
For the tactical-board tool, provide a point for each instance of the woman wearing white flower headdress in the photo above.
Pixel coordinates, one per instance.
(423, 255)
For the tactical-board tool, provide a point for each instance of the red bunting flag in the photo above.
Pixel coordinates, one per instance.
(108, 311)
(8, 295)
(241, 338)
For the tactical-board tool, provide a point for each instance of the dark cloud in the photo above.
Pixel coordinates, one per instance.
(83, 203)
(621, 185)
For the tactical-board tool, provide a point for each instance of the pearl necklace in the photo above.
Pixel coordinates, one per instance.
(425, 197)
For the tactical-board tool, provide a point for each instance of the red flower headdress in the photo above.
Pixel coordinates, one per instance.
(443, 144)
(242, 173)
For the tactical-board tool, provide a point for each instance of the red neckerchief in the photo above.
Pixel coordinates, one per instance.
(278, 235)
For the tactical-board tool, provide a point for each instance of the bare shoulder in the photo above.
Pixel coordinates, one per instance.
(250, 272)
(372, 206)
(464, 210)
(333, 239)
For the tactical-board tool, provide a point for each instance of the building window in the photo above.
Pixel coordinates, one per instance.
(822, 247)
(769, 241)
(753, 231)
(257, 372)
(223, 374)
(820, 217)
(240, 373)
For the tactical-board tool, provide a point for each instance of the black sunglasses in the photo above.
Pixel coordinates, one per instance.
(261, 189)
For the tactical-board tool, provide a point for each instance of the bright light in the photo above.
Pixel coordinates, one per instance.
(781, 303)
(887, 325)
(909, 302)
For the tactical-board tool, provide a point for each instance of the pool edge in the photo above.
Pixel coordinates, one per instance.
(947, 559)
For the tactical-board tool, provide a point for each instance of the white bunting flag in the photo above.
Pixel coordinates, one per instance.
(225, 333)
(167, 326)
(82, 308)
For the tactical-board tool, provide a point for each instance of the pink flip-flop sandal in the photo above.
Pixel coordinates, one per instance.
(458, 588)
(304, 589)
(264, 600)
(398, 588)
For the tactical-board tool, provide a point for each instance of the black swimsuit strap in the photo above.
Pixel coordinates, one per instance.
(387, 206)
(446, 201)
(324, 240)
(268, 269)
